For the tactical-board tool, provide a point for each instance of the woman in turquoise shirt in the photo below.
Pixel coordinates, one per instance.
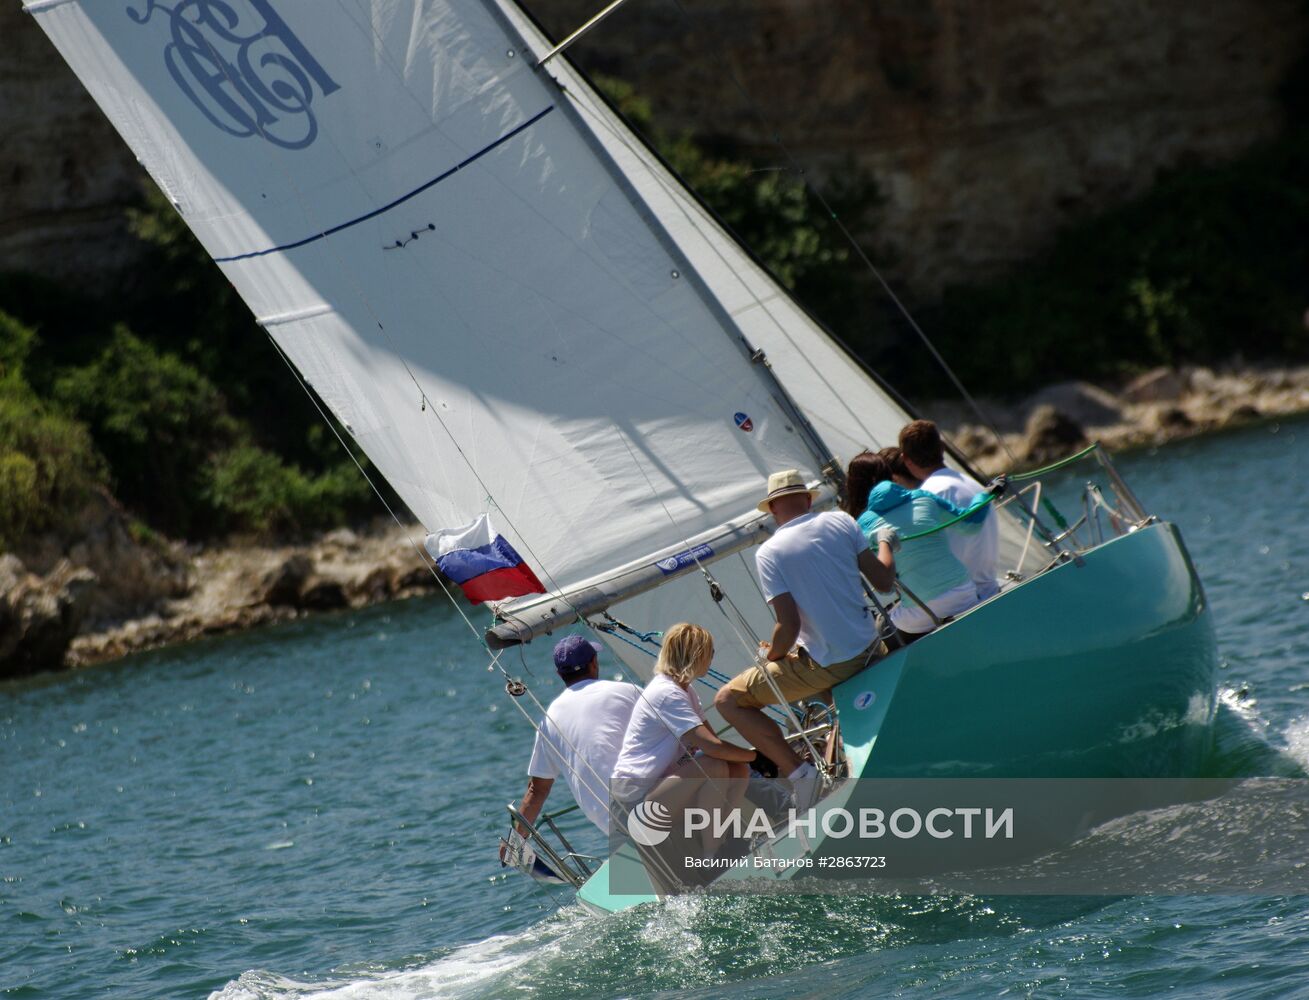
(925, 565)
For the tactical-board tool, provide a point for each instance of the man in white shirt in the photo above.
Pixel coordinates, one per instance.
(824, 633)
(581, 734)
(924, 457)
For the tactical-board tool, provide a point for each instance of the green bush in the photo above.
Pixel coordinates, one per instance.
(20, 497)
(157, 420)
(16, 343)
(48, 465)
(255, 491)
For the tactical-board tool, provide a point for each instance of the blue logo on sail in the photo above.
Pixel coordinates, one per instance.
(684, 559)
(245, 70)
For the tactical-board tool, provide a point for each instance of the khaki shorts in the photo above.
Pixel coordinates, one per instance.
(798, 677)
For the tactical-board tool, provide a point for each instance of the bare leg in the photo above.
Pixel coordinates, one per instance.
(706, 783)
(676, 790)
(757, 729)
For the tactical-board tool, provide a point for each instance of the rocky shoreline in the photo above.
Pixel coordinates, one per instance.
(1162, 405)
(236, 588)
(104, 607)
(112, 590)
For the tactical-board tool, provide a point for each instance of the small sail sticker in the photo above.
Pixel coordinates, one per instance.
(684, 559)
(744, 422)
(864, 699)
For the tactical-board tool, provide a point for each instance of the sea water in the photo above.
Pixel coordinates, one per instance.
(313, 810)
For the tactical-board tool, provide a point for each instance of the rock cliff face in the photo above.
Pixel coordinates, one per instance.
(986, 125)
(65, 175)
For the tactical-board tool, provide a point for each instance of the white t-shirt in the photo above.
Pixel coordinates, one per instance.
(815, 558)
(976, 551)
(908, 616)
(581, 735)
(665, 713)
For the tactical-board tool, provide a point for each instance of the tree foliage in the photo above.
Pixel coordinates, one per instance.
(1211, 263)
(157, 420)
(256, 491)
(48, 464)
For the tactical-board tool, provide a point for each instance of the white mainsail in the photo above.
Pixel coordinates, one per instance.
(498, 290)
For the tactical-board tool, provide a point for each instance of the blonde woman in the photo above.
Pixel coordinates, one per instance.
(669, 749)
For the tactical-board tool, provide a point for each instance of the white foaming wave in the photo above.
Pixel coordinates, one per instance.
(1296, 737)
(1250, 727)
(258, 984)
(1248, 744)
(471, 970)
(1244, 707)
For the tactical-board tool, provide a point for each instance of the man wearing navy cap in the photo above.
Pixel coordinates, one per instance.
(581, 734)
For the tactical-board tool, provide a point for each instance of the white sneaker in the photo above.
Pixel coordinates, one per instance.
(804, 787)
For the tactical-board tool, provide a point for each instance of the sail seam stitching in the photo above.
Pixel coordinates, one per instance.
(398, 201)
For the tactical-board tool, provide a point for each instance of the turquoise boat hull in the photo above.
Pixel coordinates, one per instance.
(1098, 669)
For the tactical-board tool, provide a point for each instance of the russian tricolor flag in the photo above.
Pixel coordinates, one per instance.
(485, 566)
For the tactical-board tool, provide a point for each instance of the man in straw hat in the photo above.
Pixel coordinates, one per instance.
(809, 571)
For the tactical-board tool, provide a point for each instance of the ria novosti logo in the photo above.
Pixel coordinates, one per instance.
(650, 823)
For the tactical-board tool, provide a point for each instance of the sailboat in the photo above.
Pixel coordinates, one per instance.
(519, 313)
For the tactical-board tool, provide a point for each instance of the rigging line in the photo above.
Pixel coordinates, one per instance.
(651, 637)
(367, 304)
(537, 728)
(623, 638)
(368, 479)
(364, 299)
(304, 207)
(717, 675)
(752, 652)
(750, 576)
(858, 248)
(591, 767)
(580, 32)
(709, 578)
(964, 516)
(644, 150)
